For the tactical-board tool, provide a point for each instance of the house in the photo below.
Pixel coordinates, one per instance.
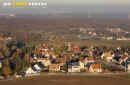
(31, 70)
(107, 56)
(54, 56)
(32, 60)
(81, 63)
(54, 67)
(39, 66)
(95, 68)
(75, 49)
(41, 60)
(128, 67)
(61, 61)
(47, 63)
(47, 54)
(118, 48)
(74, 67)
(42, 47)
(122, 59)
(117, 56)
(88, 61)
(50, 51)
(90, 53)
(67, 56)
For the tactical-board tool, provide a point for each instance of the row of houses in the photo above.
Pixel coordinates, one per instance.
(123, 60)
(44, 58)
(76, 66)
(54, 63)
(72, 67)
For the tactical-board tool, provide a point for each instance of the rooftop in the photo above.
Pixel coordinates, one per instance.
(96, 66)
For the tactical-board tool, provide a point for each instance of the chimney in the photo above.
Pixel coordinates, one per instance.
(69, 46)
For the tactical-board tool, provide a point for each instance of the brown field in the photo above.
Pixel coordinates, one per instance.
(68, 80)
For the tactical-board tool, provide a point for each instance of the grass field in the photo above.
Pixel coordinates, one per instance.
(114, 42)
(104, 42)
(89, 43)
(68, 80)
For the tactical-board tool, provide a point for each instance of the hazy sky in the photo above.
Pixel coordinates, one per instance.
(118, 6)
(89, 2)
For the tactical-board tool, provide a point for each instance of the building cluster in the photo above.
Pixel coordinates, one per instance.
(105, 33)
(75, 60)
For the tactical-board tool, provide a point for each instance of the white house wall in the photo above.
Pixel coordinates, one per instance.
(81, 64)
(30, 71)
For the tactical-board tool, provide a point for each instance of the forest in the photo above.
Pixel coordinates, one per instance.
(30, 29)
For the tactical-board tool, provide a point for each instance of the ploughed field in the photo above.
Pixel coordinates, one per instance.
(68, 80)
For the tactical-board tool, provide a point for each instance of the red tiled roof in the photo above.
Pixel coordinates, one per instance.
(50, 51)
(90, 59)
(76, 49)
(41, 58)
(96, 66)
(107, 54)
(67, 55)
(54, 66)
(123, 57)
(37, 51)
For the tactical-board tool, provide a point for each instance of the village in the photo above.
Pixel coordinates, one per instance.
(67, 59)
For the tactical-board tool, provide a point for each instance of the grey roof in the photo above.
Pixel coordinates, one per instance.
(33, 68)
(75, 63)
(40, 64)
(2, 59)
(69, 66)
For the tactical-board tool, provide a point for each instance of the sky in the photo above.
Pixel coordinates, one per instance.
(78, 6)
(89, 2)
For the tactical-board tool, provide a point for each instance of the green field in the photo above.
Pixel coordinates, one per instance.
(103, 43)
(89, 43)
(114, 42)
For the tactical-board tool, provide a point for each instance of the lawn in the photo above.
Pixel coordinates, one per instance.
(114, 42)
(68, 80)
(103, 43)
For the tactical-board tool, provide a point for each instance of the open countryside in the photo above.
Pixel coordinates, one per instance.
(60, 47)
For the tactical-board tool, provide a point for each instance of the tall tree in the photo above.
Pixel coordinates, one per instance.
(56, 50)
(7, 52)
(18, 63)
